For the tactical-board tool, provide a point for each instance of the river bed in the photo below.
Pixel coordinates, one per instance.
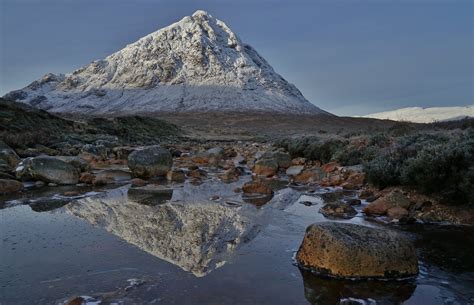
(201, 244)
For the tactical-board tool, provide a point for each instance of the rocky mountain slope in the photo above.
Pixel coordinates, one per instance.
(425, 115)
(196, 64)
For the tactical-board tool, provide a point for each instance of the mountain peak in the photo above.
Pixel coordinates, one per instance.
(201, 14)
(195, 64)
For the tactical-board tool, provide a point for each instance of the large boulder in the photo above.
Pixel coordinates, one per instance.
(10, 186)
(8, 157)
(150, 162)
(355, 251)
(47, 169)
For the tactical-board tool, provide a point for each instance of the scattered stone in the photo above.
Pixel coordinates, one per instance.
(354, 251)
(390, 200)
(71, 193)
(197, 173)
(100, 150)
(256, 187)
(310, 175)
(329, 167)
(332, 196)
(239, 160)
(215, 198)
(298, 161)
(175, 175)
(8, 156)
(81, 164)
(336, 210)
(397, 213)
(38, 150)
(108, 176)
(10, 186)
(266, 167)
(48, 170)
(294, 170)
(355, 180)
(306, 203)
(138, 182)
(87, 178)
(150, 162)
(283, 159)
(354, 201)
(364, 194)
(232, 174)
(122, 152)
(76, 301)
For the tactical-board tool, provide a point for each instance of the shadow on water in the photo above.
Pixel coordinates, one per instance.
(448, 247)
(48, 204)
(319, 290)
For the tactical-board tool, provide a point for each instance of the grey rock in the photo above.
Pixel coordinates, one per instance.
(48, 170)
(150, 161)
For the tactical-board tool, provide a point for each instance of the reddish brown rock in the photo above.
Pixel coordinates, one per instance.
(329, 167)
(86, 178)
(76, 301)
(397, 213)
(232, 174)
(390, 200)
(197, 173)
(310, 175)
(176, 175)
(256, 187)
(138, 182)
(71, 193)
(354, 251)
(10, 186)
(298, 161)
(266, 167)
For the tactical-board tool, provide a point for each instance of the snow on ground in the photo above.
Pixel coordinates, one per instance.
(425, 115)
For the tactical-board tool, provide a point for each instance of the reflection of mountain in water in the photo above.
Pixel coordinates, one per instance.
(194, 236)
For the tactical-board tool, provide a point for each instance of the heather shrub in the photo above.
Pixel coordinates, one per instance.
(433, 161)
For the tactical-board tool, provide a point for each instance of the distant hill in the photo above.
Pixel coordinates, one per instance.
(23, 125)
(425, 115)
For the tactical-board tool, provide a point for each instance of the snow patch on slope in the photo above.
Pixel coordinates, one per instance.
(425, 115)
(196, 64)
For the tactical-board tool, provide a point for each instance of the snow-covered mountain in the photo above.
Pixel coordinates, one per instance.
(196, 64)
(425, 115)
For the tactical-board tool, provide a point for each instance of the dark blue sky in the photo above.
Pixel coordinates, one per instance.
(349, 57)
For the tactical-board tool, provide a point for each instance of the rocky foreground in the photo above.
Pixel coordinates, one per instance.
(332, 249)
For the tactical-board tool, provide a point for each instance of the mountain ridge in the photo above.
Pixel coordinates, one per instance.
(195, 64)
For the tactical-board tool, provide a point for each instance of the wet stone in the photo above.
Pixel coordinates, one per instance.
(335, 210)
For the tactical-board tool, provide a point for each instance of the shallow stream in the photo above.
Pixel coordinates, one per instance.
(181, 244)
